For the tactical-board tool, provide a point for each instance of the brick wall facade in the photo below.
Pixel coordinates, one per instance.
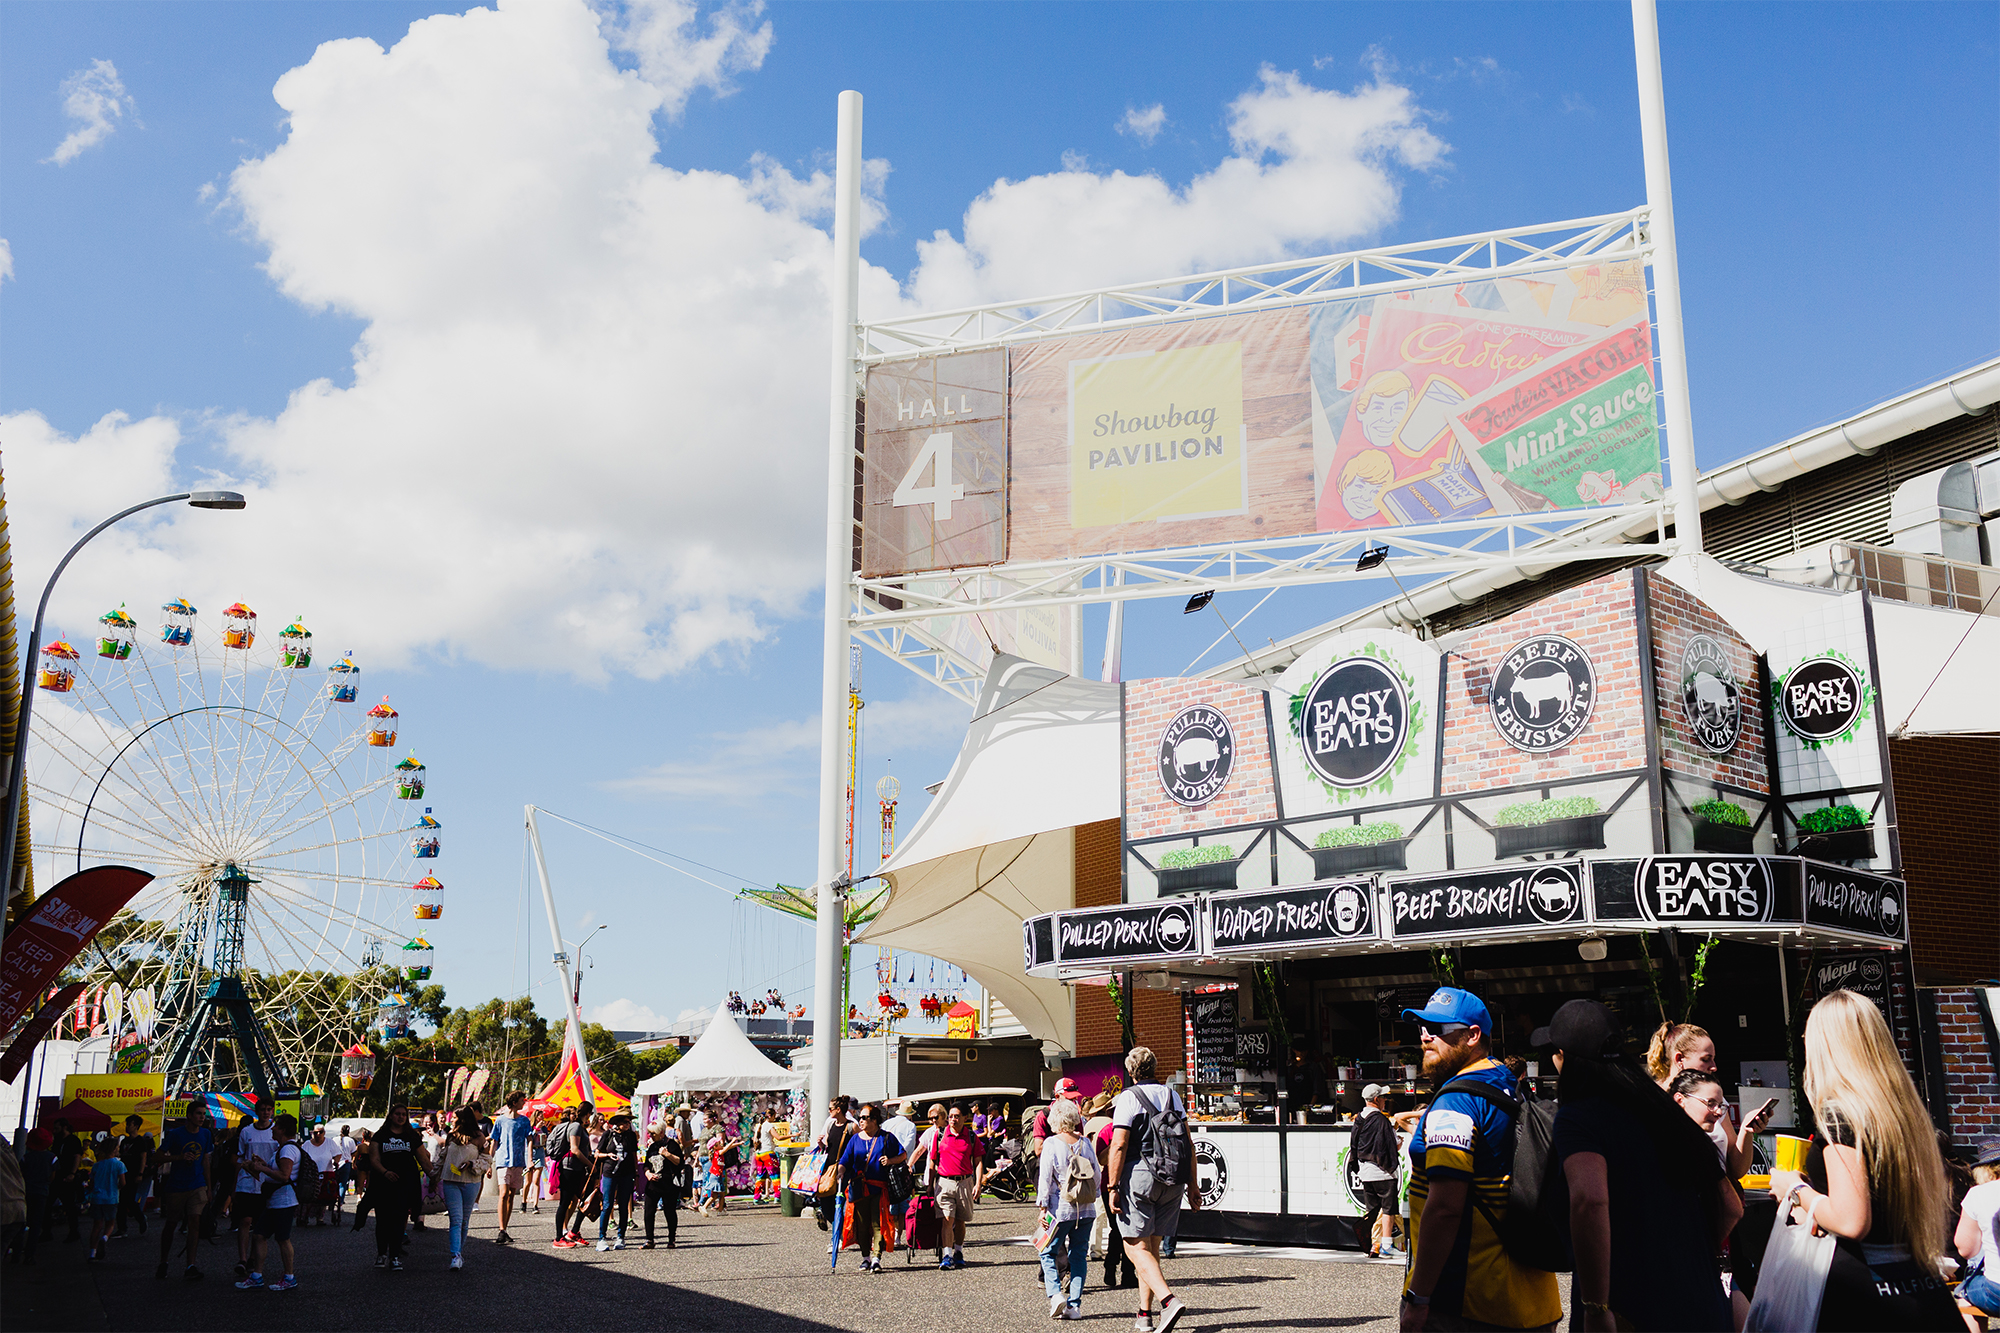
(1249, 795)
(1948, 821)
(1675, 618)
(1098, 857)
(1156, 1015)
(1973, 1085)
(1600, 617)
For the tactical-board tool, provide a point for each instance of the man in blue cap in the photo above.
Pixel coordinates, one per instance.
(1461, 1276)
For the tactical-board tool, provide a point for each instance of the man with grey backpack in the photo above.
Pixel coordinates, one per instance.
(1149, 1171)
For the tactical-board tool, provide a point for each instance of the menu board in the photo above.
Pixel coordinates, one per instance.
(1213, 1018)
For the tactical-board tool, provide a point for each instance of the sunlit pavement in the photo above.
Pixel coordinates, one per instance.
(749, 1269)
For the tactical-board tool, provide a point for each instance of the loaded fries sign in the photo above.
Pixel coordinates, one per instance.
(1254, 920)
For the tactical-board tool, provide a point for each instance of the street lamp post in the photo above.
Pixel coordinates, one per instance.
(17, 779)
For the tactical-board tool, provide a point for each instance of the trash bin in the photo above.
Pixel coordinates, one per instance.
(789, 1203)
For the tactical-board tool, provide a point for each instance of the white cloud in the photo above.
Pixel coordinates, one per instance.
(677, 52)
(95, 101)
(1309, 167)
(623, 1015)
(1145, 126)
(737, 767)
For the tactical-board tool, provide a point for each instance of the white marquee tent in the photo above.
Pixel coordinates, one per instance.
(721, 1060)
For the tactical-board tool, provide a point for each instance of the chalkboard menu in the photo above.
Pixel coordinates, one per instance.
(1863, 973)
(1253, 1048)
(1213, 1018)
(1477, 902)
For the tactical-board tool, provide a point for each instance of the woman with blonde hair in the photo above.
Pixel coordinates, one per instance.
(1873, 1176)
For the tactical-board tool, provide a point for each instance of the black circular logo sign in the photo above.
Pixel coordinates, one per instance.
(1871, 971)
(1211, 1172)
(1174, 929)
(1543, 692)
(1347, 909)
(1197, 752)
(1354, 722)
(1555, 894)
(1711, 701)
(1820, 699)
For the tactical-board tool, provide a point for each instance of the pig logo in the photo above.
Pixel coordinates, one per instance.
(1543, 693)
(1711, 700)
(1197, 754)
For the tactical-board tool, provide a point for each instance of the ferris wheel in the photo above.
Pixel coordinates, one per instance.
(281, 822)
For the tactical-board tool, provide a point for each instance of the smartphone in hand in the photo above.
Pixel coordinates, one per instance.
(1762, 1114)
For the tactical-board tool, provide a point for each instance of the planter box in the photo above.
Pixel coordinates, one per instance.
(1848, 844)
(1583, 833)
(1333, 862)
(1193, 879)
(1726, 839)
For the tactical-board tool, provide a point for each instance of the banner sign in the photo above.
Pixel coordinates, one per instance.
(1255, 920)
(45, 1018)
(1854, 900)
(120, 1095)
(1692, 890)
(56, 929)
(1496, 396)
(1478, 902)
(1134, 933)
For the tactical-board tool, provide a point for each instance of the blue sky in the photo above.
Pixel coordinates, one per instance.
(533, 421)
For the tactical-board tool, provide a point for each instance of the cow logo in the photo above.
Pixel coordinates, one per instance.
(1711, 701)
(1174, 929)
(1347, 910)
(1821, 700)
(1197, 752)
(1543, 693)
(1211, 1172)
(1554, 895)
(1354, 721)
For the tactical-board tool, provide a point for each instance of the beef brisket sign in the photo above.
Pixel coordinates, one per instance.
(1251, 921)
(1478, 902)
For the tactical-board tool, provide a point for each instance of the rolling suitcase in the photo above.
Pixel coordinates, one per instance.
(922, 1227)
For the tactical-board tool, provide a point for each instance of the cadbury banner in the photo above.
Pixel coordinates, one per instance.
(1497, 396)
(56, 929)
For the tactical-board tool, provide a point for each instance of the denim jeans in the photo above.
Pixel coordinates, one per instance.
(1982, 1292)
(613, 1191)
(458, 1197)
(1076, 1235)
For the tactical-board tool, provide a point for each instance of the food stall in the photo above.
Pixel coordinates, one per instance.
(1273, 1165)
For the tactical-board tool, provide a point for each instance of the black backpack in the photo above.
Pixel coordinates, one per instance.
(1535, 1229)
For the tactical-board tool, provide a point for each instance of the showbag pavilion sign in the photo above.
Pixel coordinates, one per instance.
(1158, 435)
(1543, 692)
(1359, 723)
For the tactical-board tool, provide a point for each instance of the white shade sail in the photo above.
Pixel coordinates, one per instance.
(721, 1060)
(997, 845)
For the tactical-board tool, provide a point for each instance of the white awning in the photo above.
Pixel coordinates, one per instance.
(721, 1060)
(997, 844)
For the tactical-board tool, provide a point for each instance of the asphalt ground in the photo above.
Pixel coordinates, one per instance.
(745, 1271)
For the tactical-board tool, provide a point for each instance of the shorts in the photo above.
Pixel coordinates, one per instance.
(1376, 1197)
(245, 1209)
(276, 1223)
(104, 1212)
(513, 1179)
(1147, 1217)
(183, 1206)
(957, 1197)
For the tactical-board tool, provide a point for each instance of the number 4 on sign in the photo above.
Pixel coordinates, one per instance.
(936, 455)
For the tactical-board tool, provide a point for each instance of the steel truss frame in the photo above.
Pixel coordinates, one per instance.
(890, 614)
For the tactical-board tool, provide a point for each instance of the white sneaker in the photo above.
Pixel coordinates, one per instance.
(457, 1261)
(1072, 1312)
(1171, 1310)
(1056, 1306)
(603, 1246)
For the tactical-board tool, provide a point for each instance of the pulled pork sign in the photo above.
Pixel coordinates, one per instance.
(1855, 901)
(1548, 893)
(1246, 922)
(1139, 932)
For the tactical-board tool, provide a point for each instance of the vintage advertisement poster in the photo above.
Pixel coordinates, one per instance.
(119, 1095)
(1357, 723)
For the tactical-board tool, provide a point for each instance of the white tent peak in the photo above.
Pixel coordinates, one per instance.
(723, 1059)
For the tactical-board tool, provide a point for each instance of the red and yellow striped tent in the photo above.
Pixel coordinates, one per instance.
(566, 1090)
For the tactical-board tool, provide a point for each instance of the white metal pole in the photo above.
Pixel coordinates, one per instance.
(1114, 638)
(829, 1020)
(574, 1022)
(1666, 277)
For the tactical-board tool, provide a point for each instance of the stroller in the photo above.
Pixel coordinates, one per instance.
(922, 1227)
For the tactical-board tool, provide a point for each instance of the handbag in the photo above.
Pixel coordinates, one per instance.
(1791, 1281)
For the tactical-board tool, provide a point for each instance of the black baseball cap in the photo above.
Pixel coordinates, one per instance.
(1580, 1027)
